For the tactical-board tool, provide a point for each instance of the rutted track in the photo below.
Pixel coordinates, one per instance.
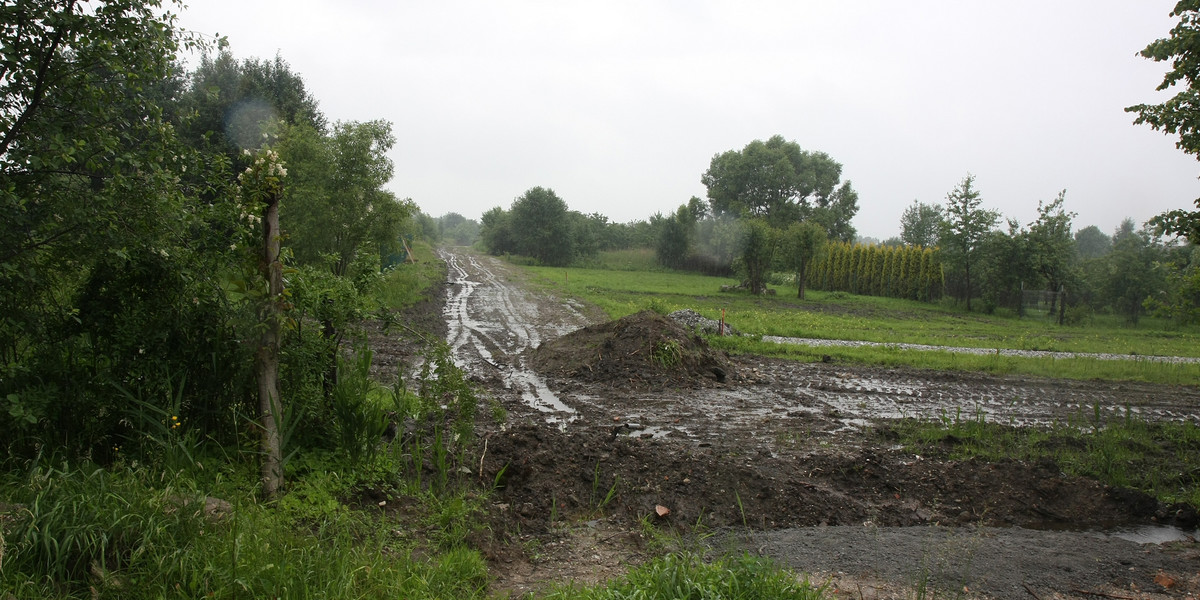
(787, 441)
(490, 325)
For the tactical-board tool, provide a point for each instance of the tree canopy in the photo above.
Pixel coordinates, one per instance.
(964, 230)
(778, 181)
(1180, 114)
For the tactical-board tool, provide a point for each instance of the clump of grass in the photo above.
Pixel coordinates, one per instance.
(667, 353)
(687, 575)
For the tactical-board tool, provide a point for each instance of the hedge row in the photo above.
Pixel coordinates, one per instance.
(911, 272)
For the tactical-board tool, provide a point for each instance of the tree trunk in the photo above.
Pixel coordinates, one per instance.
(267, 359)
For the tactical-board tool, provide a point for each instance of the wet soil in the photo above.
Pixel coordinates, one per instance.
(610, 449)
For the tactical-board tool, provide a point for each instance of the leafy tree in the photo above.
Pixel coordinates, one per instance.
(803, 243)
(545, 231)
(759, 241)
(1004, 263)
(964, 230)
(458, 229)
(1180, 300)
(234, 103)
(336, 206)
(495, 232)
(920, 224)
(778, 181)
(675, 238)
(109, 257)
(1050, 244)
(1132, 277)
(1090, 242)
(1180, 114)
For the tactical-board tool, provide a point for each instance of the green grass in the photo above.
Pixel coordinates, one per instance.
(849, 317)
(687, 575)
(1158, 458)
(408, 283)
(129, 533)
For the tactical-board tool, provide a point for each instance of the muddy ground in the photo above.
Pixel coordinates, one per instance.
(609, 427)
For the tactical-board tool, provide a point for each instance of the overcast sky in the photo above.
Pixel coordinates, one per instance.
(620, 106)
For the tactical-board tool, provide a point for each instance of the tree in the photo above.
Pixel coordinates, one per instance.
(1051, 245)
(1179, 115)
(545, 231)
(920, 224)
(336, 205)
(778, 181)
(261, 189)
(235, 103)
(675, 238)
(495, 232)
(1004, 263)
(759, 241)
(1132, 277)
(803, 243)
(1090, 242)
(963, 231)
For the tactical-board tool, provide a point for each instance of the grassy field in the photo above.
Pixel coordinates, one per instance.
(624, 285)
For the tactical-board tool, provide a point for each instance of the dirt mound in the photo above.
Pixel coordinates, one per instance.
(643, 350)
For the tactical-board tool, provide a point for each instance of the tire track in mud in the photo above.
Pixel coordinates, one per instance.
(493, 321)
(490, 324)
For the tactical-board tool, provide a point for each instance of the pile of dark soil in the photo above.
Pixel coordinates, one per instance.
(643, 350)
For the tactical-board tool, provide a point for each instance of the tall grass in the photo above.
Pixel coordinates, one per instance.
(686, 575)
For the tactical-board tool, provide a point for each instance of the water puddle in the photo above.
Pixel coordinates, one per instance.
(1154, 534)
(485, 318)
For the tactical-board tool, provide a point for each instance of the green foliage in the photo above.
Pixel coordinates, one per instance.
(446, 396)
(781, 183)
(921, 224)
(540, 217)
(336, 209)
(403, 285)
(675, 238)
(667, 354)
(358, 418)
(88, 522)
(965, 227)
(1178, 114)
(803, 243)
(737, 577)
(759, 242)
(908, 272)
(1131, 277)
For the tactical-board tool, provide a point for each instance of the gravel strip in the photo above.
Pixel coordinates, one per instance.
(979, 351)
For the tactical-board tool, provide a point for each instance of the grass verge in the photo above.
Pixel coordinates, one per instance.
(686, 575)
(1158, 458)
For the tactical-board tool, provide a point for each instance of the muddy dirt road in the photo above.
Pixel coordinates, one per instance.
(785, 459)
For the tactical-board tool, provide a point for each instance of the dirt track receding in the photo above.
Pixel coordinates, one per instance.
(789, 451)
